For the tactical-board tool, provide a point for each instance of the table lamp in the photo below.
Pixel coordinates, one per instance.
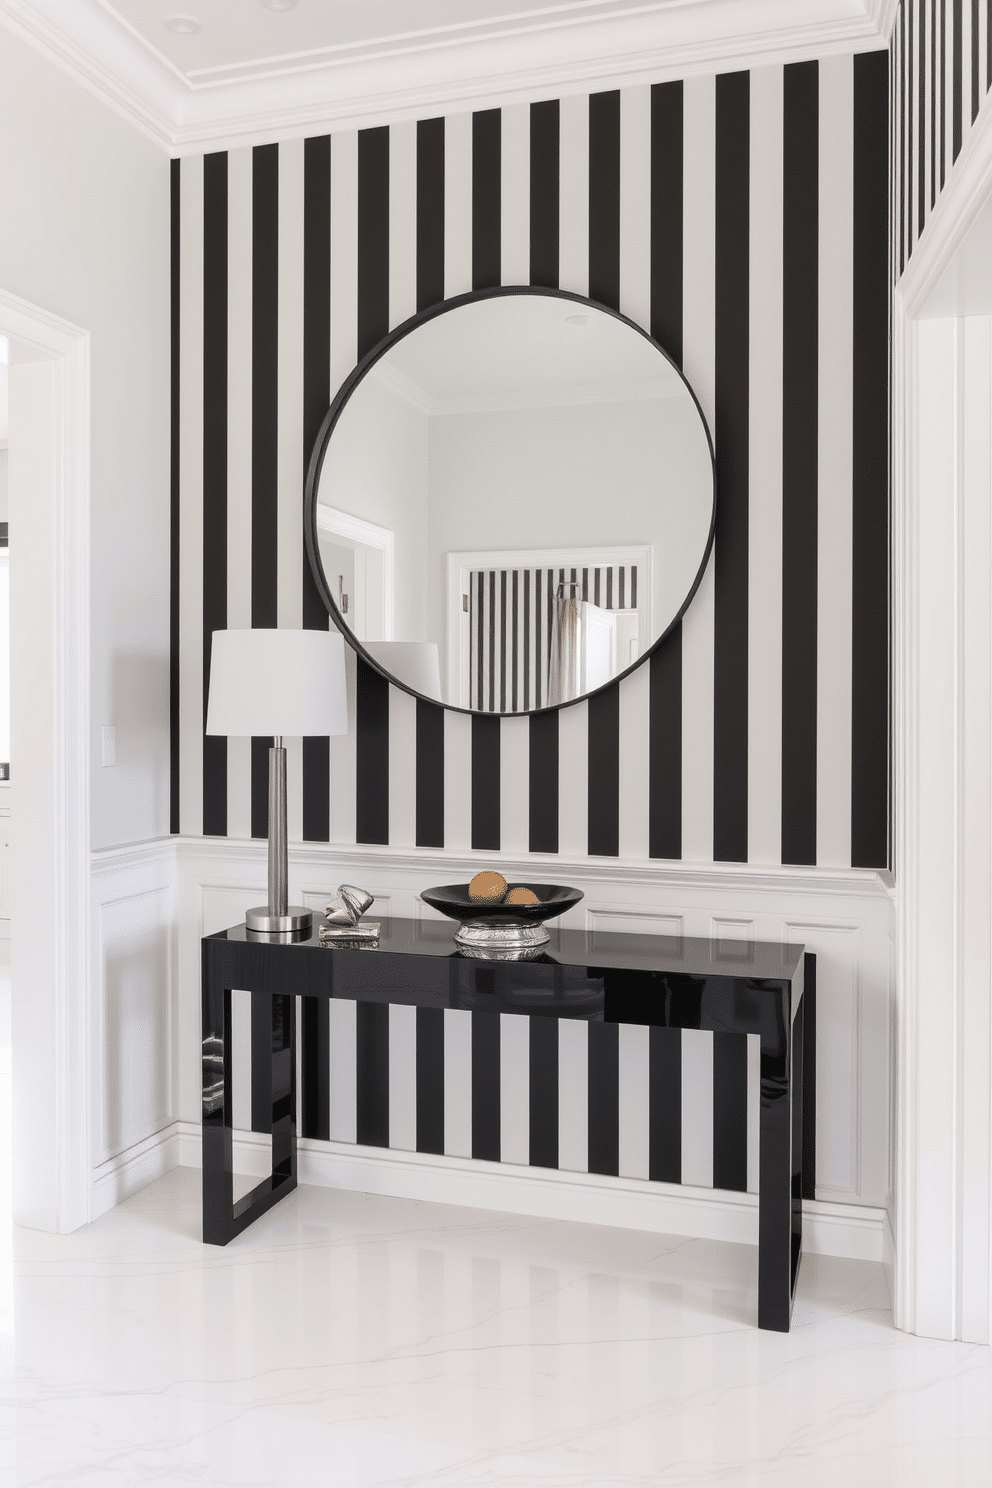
(279, 683)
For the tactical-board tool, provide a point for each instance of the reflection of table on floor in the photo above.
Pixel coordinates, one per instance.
(605, 979)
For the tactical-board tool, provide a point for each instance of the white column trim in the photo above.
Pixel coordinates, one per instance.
(66, 1063)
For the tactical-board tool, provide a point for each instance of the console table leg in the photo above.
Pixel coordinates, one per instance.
(223, 1219)
(218, 1155)
(775, 1187)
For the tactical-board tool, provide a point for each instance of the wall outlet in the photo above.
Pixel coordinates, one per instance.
(108, 745)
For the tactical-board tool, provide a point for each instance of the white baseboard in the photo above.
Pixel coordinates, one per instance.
(132, 1169)
(849, 1230)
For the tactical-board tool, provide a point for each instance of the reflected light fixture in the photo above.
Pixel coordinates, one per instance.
(182, 25)
(278, 4)
(577, 320)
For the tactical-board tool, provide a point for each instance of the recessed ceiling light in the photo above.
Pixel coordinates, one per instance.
(577, 319)
(182, 25)
(278, 4)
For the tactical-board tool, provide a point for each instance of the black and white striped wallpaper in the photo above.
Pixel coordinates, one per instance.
(942, 71)
(510, 627)
(743, 220)
(672, 1105)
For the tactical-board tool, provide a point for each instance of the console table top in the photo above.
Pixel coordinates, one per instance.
(610, 950)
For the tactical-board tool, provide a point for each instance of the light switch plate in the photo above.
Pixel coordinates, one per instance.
(109, 745)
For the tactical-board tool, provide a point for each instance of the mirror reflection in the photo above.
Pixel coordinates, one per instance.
(515, 502)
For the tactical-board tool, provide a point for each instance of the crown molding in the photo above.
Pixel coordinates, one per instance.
(400, 78)
(883, 13)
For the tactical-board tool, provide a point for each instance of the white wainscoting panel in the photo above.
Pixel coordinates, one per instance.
(134, 1035)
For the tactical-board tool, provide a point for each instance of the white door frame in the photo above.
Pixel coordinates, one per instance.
(942, 571)
(51, 1027)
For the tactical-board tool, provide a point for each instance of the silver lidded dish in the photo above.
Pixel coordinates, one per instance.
(486, 927)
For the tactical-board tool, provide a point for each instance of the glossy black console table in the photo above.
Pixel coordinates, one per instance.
(662, 982)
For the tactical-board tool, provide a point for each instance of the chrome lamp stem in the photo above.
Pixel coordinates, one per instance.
(278, 920)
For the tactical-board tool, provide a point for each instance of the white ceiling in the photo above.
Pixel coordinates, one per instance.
(250, 72)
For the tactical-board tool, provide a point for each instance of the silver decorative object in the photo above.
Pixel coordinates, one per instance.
(348, 905)
(479, 935)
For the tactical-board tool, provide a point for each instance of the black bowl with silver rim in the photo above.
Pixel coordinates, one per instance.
(486, 926)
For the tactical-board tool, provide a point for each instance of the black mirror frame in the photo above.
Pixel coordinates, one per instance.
(335, 411)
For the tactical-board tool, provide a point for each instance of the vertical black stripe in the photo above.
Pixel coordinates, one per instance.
(943, 92)
(957, 62)
(372, 694)
(870, 577)
(492, 641)
(544, 193)
(430, 1079)
(901, 99)
(800, 402)
(604, 1098)
(316, 399)
(665, 749)
(515, 642)
(373, 237)
(665, 1105)
(527, 640)
(315, 1085)
(485, 1081)
(604, 772)
(910, 113)
(430, 774)
(214, 469)
(502, 641)
(543, 1071)
(730, 1109)
(730, 709)
(934, 104)
(371, 756)
(537, 638)
(486, 198)
(921, 110)
(174, 494)
(604, 198)
(543, 784)
(609, 588)
(485, 781)
(372, 1073)
(264, 432)
(430, 212)
(666, 216)
(974, 59)
(480, 639)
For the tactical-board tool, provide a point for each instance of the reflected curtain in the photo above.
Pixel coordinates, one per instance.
(563, 661)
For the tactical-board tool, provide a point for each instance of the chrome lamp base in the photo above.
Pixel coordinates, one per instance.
(278, 920)
(296, 923)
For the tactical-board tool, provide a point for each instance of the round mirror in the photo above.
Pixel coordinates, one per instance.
(511, 500)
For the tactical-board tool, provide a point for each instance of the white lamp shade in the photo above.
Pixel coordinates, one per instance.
(287, 682)
(412, 662)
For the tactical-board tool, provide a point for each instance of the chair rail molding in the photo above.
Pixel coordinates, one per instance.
(50, 691)
(384, 78)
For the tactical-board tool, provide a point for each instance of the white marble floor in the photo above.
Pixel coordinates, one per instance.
(356, 1341)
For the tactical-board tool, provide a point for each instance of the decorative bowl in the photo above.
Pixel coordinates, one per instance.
(484, 925)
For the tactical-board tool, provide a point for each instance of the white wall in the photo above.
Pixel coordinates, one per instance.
(86, 235)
